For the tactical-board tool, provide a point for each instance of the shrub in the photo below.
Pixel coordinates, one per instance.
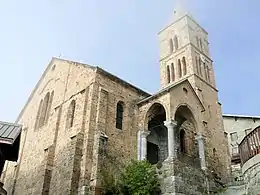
(138, 178)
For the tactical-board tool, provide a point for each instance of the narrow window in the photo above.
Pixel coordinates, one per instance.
(37, 120)
(214, 152)
(71, 114)
(197, 40)
(119, 115)
(171, 45)
(176, 44)
(208, 73)
(205, 70)
(234, 136)
(184, 66)
(168, 74)
(182, 141)
(197, 66)
(44, 110)
(173, 72)
(179, 67)
(49, 108)
(201, 45)
(200, 68)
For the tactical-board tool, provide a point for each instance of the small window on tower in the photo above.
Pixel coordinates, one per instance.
(168, 74)
(171, 45)
(184, 66)
(179, 67)
(176, 44)
(172, 72)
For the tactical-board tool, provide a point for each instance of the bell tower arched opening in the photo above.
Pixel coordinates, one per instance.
(157, 140)
(186, 132)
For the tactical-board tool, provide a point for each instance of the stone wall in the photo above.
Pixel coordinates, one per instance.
(251, 173)
(51, 145)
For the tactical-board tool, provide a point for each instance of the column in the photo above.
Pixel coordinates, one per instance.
(200, 141)
(171, 125)
(142, 144)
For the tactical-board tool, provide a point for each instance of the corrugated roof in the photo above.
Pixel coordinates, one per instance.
(9, 132)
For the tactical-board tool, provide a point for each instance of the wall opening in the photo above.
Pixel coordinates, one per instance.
(157, 141)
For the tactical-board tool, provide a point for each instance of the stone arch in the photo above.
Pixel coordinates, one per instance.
(148, 111)
(190, 113)
(186, 131)
(157, 140)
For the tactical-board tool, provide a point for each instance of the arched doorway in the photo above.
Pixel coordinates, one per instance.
(186, 132)
(157, 141)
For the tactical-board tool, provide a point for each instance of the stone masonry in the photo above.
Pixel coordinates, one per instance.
(81, 120)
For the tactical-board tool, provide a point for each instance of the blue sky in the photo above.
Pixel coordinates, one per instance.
(121, 37)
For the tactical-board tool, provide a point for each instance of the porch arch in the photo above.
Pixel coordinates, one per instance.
(157, 140)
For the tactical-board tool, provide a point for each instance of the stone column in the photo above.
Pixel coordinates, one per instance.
(142, 144)
(171, 125)
(200, 141)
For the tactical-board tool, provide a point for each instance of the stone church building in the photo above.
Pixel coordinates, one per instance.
(80, 119)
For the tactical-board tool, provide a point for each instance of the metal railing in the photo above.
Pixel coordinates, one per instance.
(250, 145)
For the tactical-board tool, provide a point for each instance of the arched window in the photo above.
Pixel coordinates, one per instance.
(197, 66)
(200, 64)
(208, 73)
(119, 115)
(205, 70)
(71, 114)
(176, 44)
(184, 66)
(37, 120)
(173, 72)
(168, 74)
(171, 45)
(201, 45)
(44, 109)
(197, 40)
(49, 108)
(179, 67)
(182, 141)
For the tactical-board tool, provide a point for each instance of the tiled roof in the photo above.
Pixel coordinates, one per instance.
(9, 132)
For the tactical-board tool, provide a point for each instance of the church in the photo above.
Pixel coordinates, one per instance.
(81, 118)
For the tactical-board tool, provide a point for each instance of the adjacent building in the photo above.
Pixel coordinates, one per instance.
(236, 128)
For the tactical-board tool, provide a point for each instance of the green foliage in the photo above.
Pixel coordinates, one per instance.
(138, 178)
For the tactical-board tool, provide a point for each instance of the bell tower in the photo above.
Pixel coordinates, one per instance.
(184, 51)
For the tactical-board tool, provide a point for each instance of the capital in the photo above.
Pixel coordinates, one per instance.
(170, 123)
(144, 133)
(199, 137)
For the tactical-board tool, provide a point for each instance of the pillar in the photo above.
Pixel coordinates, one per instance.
(200, 141)
(171, 126)
(142, 144)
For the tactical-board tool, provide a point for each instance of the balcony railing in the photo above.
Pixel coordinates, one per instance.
(250, 145)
